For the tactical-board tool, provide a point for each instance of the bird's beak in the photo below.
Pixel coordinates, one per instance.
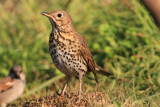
(46, 14)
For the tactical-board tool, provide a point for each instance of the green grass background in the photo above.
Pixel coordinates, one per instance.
(121, 34)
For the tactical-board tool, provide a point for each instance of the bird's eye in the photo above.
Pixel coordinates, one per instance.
(59, 15)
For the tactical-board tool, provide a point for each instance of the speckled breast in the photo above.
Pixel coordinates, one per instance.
(64, 55)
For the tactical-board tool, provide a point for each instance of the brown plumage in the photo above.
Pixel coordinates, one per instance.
(12, 86)
(69, 50)
(5, 84)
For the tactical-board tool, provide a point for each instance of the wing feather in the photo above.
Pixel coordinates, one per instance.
(5, 84)
(87, 56)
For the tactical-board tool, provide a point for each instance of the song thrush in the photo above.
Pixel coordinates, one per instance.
(12, 87)
(69, 50)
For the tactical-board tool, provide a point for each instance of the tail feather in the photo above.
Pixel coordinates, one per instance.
(102, 71)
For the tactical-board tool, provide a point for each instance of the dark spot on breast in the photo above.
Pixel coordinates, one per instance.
(77, 76)
(74, 63)
(73, 41)
(51, 40)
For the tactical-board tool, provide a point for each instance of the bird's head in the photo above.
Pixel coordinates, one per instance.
(16, 72)
(60, 20)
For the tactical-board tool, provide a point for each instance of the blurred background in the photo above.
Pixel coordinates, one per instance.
(122, 35)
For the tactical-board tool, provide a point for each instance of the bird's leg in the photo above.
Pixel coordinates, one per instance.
(80, 89)
(65, 85)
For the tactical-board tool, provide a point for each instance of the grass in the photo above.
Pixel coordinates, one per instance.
(122, 94)
(121, 35)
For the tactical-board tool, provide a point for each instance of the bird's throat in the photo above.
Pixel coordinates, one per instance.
(54, 27)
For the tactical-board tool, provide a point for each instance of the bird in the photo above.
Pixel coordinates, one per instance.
(12, 86)
(69, 50)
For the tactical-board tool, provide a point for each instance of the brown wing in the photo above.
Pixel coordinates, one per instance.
(5, 84)
(86, 54)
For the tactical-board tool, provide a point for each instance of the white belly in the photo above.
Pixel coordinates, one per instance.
(68, 65)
